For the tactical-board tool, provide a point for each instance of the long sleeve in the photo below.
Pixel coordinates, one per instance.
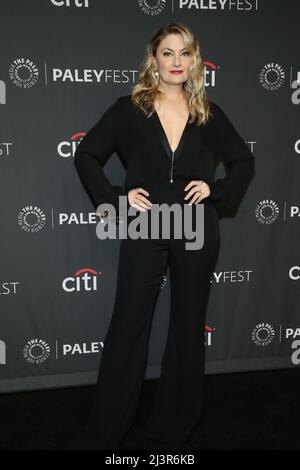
(239, 163)
(91, 155)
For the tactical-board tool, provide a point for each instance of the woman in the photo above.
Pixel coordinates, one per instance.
(170, 138)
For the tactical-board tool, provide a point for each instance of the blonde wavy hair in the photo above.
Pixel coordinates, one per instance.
(145, 91)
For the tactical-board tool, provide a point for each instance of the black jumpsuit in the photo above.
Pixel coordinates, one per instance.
(142, 145)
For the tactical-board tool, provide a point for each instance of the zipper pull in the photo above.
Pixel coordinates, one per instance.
(171, 179)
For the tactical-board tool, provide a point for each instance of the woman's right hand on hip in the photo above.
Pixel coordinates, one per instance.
(137, 200)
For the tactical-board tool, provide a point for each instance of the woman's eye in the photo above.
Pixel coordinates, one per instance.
(168, 53)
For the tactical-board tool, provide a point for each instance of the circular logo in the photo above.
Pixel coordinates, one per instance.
(263, 334)
(271, 76)
(266, 211)
(152, 7)
(32, 219)
(36, 351)
(23, 73)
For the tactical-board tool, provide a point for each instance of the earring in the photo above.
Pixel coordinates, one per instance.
(156, 72)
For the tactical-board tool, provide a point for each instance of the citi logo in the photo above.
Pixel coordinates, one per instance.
(67, 148)
(2, 92)
(2, 352)
(68, 3)
(210, 73)
(163, 282)
(208, 331)
(85, 279)
(294, 273)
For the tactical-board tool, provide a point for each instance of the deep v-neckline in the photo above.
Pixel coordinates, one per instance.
(154, 118)
(163, 129)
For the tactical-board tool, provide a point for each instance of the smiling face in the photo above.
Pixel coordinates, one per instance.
(171, 56)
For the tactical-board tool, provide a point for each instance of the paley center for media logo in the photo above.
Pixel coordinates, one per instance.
(263, 334)
(272, 76)
(36, 351)
(231, 277)
(152, 8)
(24, 73)
(32, 219)
(290, 333)
(267, 211)
(95, 347)
(155, 7)
(114, 75)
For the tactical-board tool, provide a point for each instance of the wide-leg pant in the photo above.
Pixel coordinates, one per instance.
(178, 401)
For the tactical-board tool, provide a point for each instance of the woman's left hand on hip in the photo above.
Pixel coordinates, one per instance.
(198, 189)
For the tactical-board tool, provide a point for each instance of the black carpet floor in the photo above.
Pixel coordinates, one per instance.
(248, 410)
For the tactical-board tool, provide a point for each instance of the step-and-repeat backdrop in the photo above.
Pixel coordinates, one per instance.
(62, 63)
